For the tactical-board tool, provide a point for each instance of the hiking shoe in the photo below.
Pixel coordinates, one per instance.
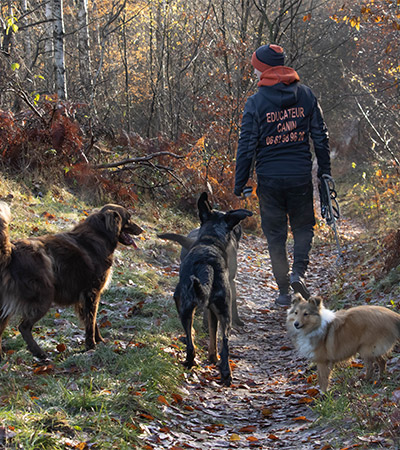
(284, 300)
(298, 285)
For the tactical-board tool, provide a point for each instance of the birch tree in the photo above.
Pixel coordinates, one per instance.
(84, 49)
(59, 54)
(49, 46)
(28, 37)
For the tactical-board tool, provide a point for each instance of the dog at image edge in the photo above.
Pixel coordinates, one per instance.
(204, 280)
(327, 337)
(70, 268)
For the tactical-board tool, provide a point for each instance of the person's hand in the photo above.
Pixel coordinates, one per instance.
(238, 192)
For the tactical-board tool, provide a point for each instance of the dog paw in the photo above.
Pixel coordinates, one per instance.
(90, 346)
(226, 381)
(237, 322)
(213, 359)
(43, 357)
(188, 364)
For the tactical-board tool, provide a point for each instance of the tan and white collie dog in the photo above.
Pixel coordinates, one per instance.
(327, 337)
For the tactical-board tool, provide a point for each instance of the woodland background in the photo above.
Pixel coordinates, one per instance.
(127, 98)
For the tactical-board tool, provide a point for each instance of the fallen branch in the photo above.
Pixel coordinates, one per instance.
(136, 160)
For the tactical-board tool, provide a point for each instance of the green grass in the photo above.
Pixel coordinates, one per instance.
(102, 398)
(94, 397)
(358, 409)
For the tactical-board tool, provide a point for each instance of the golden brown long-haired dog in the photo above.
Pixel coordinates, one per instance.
(327, 337)
(70, 268)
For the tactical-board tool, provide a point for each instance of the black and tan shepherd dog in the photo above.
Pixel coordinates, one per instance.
(70, 268)
(231, 251)
(204, 280)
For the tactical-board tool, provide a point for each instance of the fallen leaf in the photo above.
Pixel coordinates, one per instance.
(248, 429)
(177, 398)
(301, 418)
(358, 365)
(266, 412)
(162, 399)
(61, 348)
(289, 392)
(312, 392)
(234, 437)
(273, 437)
(285, 348)
(44, 370)
(306, 400)
(81, 446)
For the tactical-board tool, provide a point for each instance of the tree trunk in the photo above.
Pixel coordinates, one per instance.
(59, 55)
(27, 38)
(84, 50)
(49, 47)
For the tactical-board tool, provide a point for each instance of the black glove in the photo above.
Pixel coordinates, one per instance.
(244, 192)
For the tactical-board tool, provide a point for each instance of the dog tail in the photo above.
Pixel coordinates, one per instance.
(186, 242)
(5, 244)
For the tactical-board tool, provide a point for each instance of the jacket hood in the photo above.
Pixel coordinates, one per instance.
(278, 74)
(281, 95)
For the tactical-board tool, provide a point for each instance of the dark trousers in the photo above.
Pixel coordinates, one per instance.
(282, 199)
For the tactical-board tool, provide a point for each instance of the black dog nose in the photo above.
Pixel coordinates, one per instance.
(296, 325)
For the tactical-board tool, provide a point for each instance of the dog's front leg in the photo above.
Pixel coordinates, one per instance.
(25, 329)
(381, 360)
(324, 371)
(224, 367)
(3, 324)
(88, 315)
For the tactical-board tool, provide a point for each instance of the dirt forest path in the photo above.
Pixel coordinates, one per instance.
(268, 404)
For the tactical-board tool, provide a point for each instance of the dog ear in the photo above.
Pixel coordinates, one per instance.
(315, 301)
(112, 220)
(296, 298)
(204, 207)
(233, 217)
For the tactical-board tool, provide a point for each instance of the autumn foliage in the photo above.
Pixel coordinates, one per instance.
(57, 141)
(49, 137)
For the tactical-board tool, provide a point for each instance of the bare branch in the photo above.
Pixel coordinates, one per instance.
(384, 141)
(138, 160)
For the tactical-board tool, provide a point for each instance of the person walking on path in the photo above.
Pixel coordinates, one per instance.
(278, 121)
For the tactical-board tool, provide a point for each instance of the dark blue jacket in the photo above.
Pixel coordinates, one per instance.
(276, 126)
